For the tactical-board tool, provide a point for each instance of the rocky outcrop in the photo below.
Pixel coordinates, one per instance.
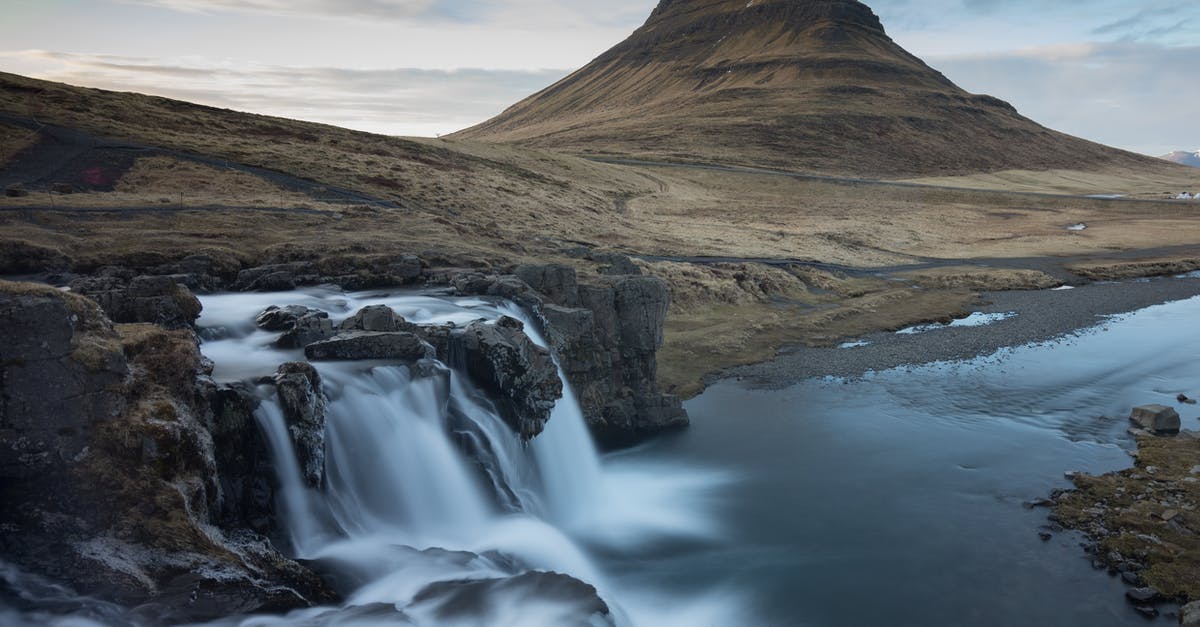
(359, 345)
(376, 318)
(518, 375)
(115, 485)
(311, 327)
(1157, 419)
(606, 333)
(153, 299)
(303, 402)
(276, 278)
(61, 373)
(276, 318)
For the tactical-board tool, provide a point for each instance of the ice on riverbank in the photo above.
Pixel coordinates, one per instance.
(977, 319)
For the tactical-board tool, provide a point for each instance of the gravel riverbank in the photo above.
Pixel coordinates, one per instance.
(1039, 316)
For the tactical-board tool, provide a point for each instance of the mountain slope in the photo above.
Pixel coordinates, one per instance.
(812, 85)
(1184, 158)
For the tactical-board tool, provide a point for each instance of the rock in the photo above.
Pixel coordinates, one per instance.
(519, 375)
(615, 264)
(153, 299)
(306, 330)
(1182, 398)
(276, 318)
(127, 506)
(360, 345)
(557, 282)
(475, 601)
(1146, 610)
(1045, 536)
(1159, 419)
(63, 188)
(61, 374)
(16, 191)
(377, 318)
(243, 460)
(276, 278)
(1189, 615)
(303, 402)
(1143, 595)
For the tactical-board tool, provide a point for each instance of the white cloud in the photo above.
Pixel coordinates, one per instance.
(397, 101)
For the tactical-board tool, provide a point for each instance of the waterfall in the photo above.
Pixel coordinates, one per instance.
(424, 481)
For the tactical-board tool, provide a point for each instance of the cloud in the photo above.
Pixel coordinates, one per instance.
(398, 101)
(1133, 95)
(534, 13)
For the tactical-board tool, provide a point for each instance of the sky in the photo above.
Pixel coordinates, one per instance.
(1120, 72)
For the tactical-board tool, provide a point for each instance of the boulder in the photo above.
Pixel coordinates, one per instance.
(154, 299)
(1158, 419)
(615, 263)
(561, 599)
(303, 402)
(1189, 615)
(519, 376)
(276, 278)
(63, 188)
(276, 318)
(16, 191)
(311, 327)
(377, 318)
(359, 345)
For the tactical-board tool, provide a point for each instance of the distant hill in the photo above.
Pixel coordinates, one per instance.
(1184, 157)
(811, 85)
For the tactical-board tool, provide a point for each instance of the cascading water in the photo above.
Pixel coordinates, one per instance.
(425, 483)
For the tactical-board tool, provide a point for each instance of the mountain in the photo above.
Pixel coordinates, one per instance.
(810, 85)
(1184, 157)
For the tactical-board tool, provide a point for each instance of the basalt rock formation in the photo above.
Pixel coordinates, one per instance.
(808, 85)
(110, 473)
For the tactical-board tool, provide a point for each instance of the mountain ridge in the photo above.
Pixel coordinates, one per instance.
(1184, 157)
(806, 85)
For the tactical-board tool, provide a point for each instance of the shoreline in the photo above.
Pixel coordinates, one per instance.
(1040, 316)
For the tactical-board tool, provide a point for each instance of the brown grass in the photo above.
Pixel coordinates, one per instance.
(1131, 504)
(13, 140)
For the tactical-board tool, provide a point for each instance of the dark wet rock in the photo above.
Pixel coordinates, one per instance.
(1131, 577)
(474, 601)
(1046, 536)
(1146, 610)
(1158, 419)
(61, 374)
(1143, 595)
(276, 318)
(154, 299)
(303, 402)
(128, 504)
(519, 375)
(377, 318)
(1189, 615)
(276, 278)
(16, 191)
(359, 345)
(309, 328)
(63, 188)
(606, 335)
(243, 460)
(1183, 398)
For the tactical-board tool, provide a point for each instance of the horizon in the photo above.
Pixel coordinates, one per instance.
(430, 67)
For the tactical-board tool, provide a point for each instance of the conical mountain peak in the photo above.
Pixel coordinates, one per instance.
(809, 85)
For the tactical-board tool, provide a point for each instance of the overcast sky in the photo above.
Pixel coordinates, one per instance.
(1122, 72)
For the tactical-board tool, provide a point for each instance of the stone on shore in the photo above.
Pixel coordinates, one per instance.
(1189, 615)
(1158, 419)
